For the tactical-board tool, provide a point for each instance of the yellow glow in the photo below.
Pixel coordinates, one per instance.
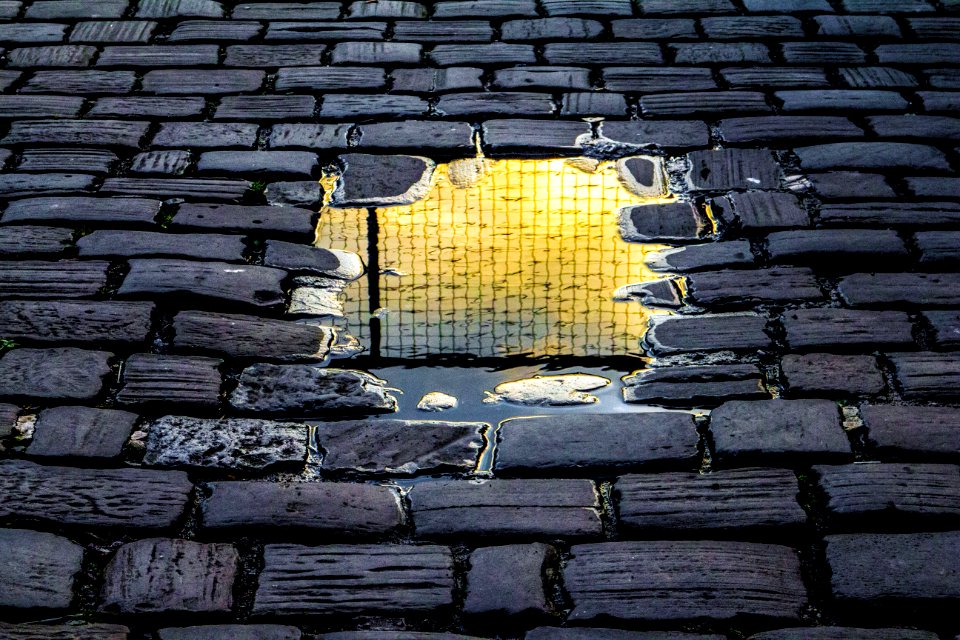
(521, 258)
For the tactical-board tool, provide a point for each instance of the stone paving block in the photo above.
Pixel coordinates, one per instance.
(886, 6)
(370, 180)
(40, 280)
(376, 53)
(287, 11)
(265, 107)
(127, 498)
(71, 55)
(888, 289)
(593, 104)
(295, 163)
(25, 106)
(386, 9)
(927, 374)
(723, 52)
(699, 257)
(823, 53)
(71, 321)
(938, 187)
(329, 507)
(568, 508)
(410, 134)
(77, 132)
(514, 103)
(207, 246)
(891, 213)
(778, 428)
(33, 631)
(679, 580)
(542, 78)
(232, 631)
(66, 9)
(8, 418)
(277, 55)
(534, 136)
(309, 389)
(492, 591)
(649, 79)
(884, 567)
(882, 77)
(850, 184)
(834, 246)
(83, 82)
(449, 55)
(764, 77)
(304, 193)
(354, 579)
(677, 222)
(81, 432)
(785, 128)
(830, 374)
(447, 31)
(932, 430)
(934, 101)
(946, 326)
(202, 81)
(400, 446)
(349, 106)
(236, 444)
(677, 133)
(920, 54)
(169, 162)
(205, 134)
(244, 284)
(761, 210)
(158, 56)
(177, 188)
(435, 80)
(857, 26)
(34, 241)
(310, 136)
(681, 104)
(325, 78)
(741, 498)
(891, 490)
(484, 8)
(239, 336)
(752, 27)
(693, 385)
(37, 570)
(273, 221)
(573, 633)
(731, 331)
(232, 31)
(627, 53)
(732, 169)
(654, 28)
(871, 155)
(846, 328)
(89, 210)
(575, 442)
(843, 633)
(151, 380)
(324, 31)
(842, 100)
(55, 374)
(551, 28)
(746, 288)
(161, 575)
(588, 7)
(22, 185)
(136, 31)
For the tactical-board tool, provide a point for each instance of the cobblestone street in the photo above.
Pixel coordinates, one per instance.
(203, 430)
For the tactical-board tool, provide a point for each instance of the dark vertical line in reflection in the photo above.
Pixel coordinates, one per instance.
(373, 279)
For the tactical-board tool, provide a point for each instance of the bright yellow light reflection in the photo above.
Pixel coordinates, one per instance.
(505, 257)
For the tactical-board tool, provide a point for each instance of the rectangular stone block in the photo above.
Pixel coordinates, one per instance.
(68, 321)
(53, 374)
(749, 288)
(37, 570)
(931, 430)
(895, 492)
(900, 289)
(846, 328)
(156, 380)
(81, 432)
(730, 331)
(132, 211)
(243, 284)
(928, 374)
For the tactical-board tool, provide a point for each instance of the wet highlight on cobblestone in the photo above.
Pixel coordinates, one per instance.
(479, 319)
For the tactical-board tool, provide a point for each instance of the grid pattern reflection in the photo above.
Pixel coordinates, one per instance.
(503, 258)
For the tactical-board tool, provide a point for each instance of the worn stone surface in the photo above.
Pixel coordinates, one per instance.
(595, 441)
(82, 322)
(240, 336)
(357, 509)
(326, 262)
(694, 385)
(493, 591)
(131, 498)
(349, 579)
(309, 389)
(238, 444)
(205, 246)
(830, 374)
(232, 631)
(733, 331)
(31, 631)
(161, 575)
(741, 498)
(927, 374)
(762, 210)
(58, 374)
(680, 222)
(506, 508)
(81, 432)
(154, 380)
(272, 221)
(37, 570)
(747, 288)
(46, 280)
(846, 328)
(913, 429)
(242, 284)
(843, 633)
(892, 490)
(400, 446)
(572, 633)
(683, 580)
(377, 180)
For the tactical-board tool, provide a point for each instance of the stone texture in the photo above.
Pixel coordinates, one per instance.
(573, 633)
(127, 498)
(411, 134)
(843, 633)
(44, 280)
(778, 428)
(151, 380)
(742, 498)
(871, 155)
(161, 575)
(696, 385)
(884, 567)
(846, 328)
(830, 374)
(595, 442)
(133, 211)
(34, 241)
(54, 374)
(927, 374)
(232, 631)
(732, 169)
(382, 180)
(492, 591)
(833, 246)
(238, 444)
(32, 631)
(678, 222)
(679, 580)
(37, 569)
(328, 507)
(895, 428)
(241, 284)
(240, 336)
(272, 221)
(730, 331)
(568, 508)
(892, 491)
(946, 326)
(400, 446)
(308, 389)
(207, 246)
(699, 257)
(314, 260)
(354, 579)
(68, 321)
(749, 288)
(81, 432)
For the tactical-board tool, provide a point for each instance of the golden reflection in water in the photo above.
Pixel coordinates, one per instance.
(519, 258)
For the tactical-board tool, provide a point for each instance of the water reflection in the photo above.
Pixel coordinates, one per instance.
(503, 258)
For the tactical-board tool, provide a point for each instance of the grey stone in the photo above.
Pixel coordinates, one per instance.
(276, 55)
(133, 211)
(177, 188)
(693, 385)
(778, 128)
(161, 575)
(309, 389)
(699, 257)
(733, 331)
(297, 163)
(295, 194)
(8, 419)
(329, 507)
(550, 29)
(680, 580)
(26, 106)
(81, 432)
(58, 9)
(262, 108)
(232, 631)
(251, 337)
(425, 80)
(938, 246)
(830, 374)
(897, 492)
(850, 184)
(595, 442)
(835, 246)
(409, 134)
(593, 104)
(158, 56)
(736, 499)
(732, 169)
(58, 374)
(376, 53)
(34, 241)
(654, 28)
(127, 498)
(445, 31)
(205, 134)
(138, 31)
(843, 633)
(568, 508)
(151, 380)
(289, 222)
(22, 185)
(946, 327)
(204, 246)
(308, 136)
(575, 7)
(71, 55)
(534, 136)
(895, 289)
(242, 445)
(493, 589)
(499, 53)
(386, 9)
(202, 81)
(250, 285)
(332, 263)
(871, 155)
(91, 81)
(77, 132)
(484, 8)
(930, 430)
(287, 11)
(762, 210)
(542, 78)
(691, 103)
(575, 633)
(751, 287)
(629, 53)
(890, 213)
(37, 570)
(32, 631)
(79, 160)
(678, 222)
(369, 180)
(928, 375)
(400, 446)
(354, 579)
(324, 31)
(725, 52)
(501, 103)
(777, 428)
(330, 78)
(169, 162)
(657, 78)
